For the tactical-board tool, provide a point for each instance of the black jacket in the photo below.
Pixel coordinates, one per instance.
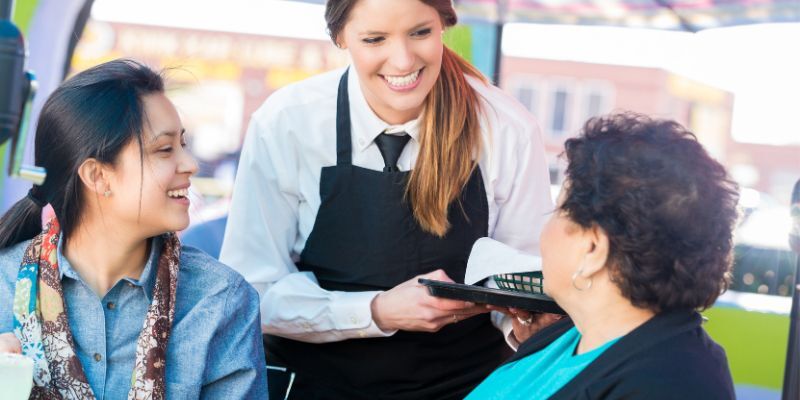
(668, 357)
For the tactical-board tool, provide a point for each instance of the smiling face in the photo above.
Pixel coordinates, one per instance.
(396, 48)
(149, 192)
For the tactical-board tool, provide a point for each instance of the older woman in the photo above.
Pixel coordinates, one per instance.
(640, 241)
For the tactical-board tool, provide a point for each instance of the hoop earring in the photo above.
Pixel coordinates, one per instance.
(575, 277)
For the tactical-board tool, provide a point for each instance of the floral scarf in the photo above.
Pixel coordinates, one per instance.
(41, 324)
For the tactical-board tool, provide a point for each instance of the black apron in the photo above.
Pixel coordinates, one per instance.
(365, 238)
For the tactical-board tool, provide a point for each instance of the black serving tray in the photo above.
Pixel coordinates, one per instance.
(495, 297)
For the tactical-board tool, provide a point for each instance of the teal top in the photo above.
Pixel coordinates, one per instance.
(541, 374)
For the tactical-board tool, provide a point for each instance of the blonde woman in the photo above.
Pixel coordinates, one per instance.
(355, 183)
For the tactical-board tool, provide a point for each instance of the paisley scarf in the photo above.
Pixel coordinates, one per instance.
(41, 324)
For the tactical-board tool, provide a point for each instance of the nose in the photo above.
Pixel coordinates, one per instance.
(403, 57)
(187, 164)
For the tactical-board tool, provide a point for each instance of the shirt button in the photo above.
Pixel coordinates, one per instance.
(353, 319)
(361, 141)
(97, 357)
(111, 305)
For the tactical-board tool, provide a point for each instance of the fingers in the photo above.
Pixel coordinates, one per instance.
(519, 312)
(450, 305)
(454, 318)
(547, 319)
(503, 310)
(438, 275)
(10, 344)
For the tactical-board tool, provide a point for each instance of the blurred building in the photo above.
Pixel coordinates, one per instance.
(766, 168)
(216, 79)
(220, 78)
(564, 94)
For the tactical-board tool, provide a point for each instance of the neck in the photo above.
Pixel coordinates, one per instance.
(397, 118)
(102, 255)
(603, 315)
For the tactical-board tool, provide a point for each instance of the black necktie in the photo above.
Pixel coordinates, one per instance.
(391, 146)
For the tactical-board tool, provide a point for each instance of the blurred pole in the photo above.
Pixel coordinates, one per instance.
(502, 12)
(12, 61)
(791, 375)
(498, 53)
(6, 9)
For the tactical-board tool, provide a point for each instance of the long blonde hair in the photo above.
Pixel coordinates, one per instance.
(450, 137)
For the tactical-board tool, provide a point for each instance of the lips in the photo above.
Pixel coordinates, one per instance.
(178, 193)
(403, 81)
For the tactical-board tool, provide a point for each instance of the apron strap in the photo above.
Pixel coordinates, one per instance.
(343, 142)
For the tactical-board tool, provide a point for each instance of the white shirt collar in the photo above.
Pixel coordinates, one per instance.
(366, 124)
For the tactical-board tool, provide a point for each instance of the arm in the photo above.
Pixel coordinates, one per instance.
(261, 243)
(261, 233)
(8, 341)
(235, 368)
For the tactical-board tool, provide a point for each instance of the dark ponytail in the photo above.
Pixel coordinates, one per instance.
(21, 222)
(94, 114)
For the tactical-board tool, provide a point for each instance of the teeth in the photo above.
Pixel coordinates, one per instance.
(178, 193)
(402, 80)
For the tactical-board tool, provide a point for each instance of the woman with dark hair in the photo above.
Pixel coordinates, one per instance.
(105, 299)
(640, 241)
(355, 183)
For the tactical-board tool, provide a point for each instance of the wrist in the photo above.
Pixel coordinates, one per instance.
(374, 308)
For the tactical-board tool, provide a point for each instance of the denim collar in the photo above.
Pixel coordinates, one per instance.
(146, 281)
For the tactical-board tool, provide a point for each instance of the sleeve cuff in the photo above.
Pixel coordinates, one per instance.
(354, 309)
(503, 322)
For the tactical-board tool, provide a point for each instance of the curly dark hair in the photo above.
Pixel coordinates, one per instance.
(668, 208)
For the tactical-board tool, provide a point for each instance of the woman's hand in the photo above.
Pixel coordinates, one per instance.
(409, 307)
(9, 343)
(526, 323)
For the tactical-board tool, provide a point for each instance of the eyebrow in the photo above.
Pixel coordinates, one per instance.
(168, 133)
(417, 26)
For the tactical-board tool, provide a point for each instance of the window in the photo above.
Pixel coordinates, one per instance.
(526, 94)
(594, 104)
(596, 100)
(559, 121)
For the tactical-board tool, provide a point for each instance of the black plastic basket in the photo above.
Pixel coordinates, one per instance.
(524, 282)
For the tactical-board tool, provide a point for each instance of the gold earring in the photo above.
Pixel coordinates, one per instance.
(575, 276)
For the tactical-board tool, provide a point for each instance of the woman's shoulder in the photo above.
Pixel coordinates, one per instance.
(499, 104)
(10, 258)
(304, 94)
(203, 277)
(687, 364)
(506, 121)
(199, 265)
(209, 292)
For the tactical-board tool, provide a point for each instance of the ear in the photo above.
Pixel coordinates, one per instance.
(596, 252)
(94, 176)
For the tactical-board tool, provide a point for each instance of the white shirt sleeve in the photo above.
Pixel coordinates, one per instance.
(261, 231)
(521, 189)
(524, 206)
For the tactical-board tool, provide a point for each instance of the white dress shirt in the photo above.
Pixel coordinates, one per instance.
(276, 198)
